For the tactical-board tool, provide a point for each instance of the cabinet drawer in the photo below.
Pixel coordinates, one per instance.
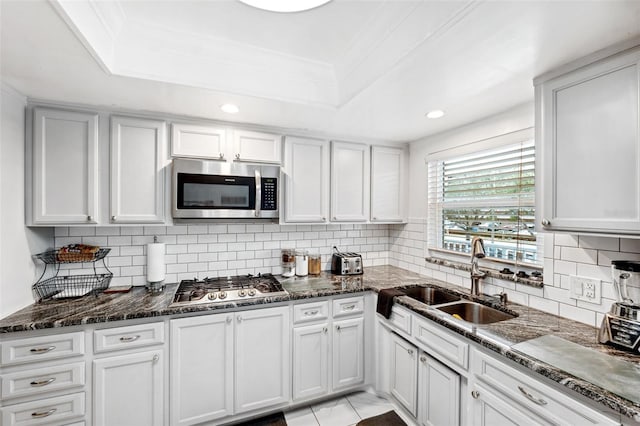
(348, 306)
(35, 381)
(537, 397)
(401, 319)
(440, 342)
(113, 339)
(307, 312)
(41, 348)
(44, 411)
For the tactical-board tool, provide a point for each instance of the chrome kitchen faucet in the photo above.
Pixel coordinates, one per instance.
(477, 252)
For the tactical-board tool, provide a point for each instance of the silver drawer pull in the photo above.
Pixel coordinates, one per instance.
(41, 414)
(410, 352)
(349, 308)
(423, 359)
(338, 327)
(45, 382)
(531, 397)
(475, 394)
(40, 351)
(325, 330)
(128, 339)
(156, 358)
(309, 313)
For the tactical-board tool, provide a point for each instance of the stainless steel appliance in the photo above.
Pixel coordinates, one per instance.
(621, 326)
(343, 263)
(223, 290)
(207, 189)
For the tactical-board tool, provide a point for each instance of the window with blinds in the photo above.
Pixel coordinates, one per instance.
(489, 194)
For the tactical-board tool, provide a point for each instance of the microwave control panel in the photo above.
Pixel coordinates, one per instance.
(269, 194)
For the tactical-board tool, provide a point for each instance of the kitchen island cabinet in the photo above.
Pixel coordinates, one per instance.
(588, 140)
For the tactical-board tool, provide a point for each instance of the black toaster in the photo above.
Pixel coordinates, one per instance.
(344, 263)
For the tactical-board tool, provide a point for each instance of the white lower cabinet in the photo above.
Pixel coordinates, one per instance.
(490, 409)
(228, 364)
(328, 355)
(129, 389)
(438, 393)
(404, 372)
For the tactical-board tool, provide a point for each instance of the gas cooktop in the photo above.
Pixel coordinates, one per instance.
(226, 289)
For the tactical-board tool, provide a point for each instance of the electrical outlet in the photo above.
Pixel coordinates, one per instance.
(586, 289)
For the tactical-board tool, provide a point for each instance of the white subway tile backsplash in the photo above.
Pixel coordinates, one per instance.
(630, 245)
(155, 230)
(573, 254)
(599, 243)
(566, 240)
(544, 305)
(187, 239)
(131, 230)
(582, 315)
(119, 241)
(605, 257)
(564, 267)
(81, 231)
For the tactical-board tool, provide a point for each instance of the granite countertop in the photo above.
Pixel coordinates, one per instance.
(499, 337)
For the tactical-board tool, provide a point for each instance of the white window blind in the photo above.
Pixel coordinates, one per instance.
(490, 194)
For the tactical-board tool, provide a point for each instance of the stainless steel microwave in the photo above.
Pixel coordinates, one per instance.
(207, 189)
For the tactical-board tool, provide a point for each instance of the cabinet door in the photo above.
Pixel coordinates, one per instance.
(310, 361)
(388, 187)
(201, 369)
(188, 140)
(306, 168)
(348, 353)
(404, 372)
(589, 126)
(490, 409)
(65, 167)
(349, 182)
(439, 393)
(257, 147)
(263, 370)
(137, 170)
(129, 390)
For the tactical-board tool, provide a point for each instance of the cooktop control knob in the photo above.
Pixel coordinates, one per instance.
(212, 296)
(252, 292)
(223, 295)
(242, 292)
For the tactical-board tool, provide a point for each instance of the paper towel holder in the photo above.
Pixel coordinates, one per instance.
(154, 287)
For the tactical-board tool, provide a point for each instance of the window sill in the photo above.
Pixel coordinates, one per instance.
(494, 273)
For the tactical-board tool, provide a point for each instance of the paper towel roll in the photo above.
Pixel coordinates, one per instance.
(156, 270)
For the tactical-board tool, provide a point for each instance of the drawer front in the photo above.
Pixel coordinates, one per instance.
(35, 381)
(134, 336)
(538, 397)
(307, 312)
(348, 306)
(41, 348)
(442, 343)
(44, 411)
(401, 319)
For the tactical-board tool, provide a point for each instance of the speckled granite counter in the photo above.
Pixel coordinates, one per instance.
(498, 337)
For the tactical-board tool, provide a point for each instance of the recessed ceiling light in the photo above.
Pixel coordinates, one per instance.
(436, 113)
(285, 5)
(230, 108)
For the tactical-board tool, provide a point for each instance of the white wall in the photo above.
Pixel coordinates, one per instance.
(17, 242)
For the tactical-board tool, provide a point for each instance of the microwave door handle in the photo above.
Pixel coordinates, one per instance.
(258, 192)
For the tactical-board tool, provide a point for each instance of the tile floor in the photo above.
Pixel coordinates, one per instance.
(344, 411)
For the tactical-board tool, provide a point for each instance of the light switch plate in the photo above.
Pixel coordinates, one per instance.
(586, 289)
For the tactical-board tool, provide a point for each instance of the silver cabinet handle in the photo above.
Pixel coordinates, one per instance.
(89, 218)
(349, 308)
(41, 414)
(44, 382)
(324, 219)
(532, 398)
(238, 156)
(338, 327)
(221, 156)
(475, 394)
(423, 359)
(229, 320)
(309, 313)
(239, 318)
(127, 339)
(325, 330)
(410, 351)
(113, 218)
(40, 351)
(335, 218)
(156, 358)
(546, 222)
(375, 218)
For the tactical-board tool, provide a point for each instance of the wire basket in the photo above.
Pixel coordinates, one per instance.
(64, 286)
(59, 256)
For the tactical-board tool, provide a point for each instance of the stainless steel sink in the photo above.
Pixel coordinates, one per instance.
(430, 295)
(476, 313)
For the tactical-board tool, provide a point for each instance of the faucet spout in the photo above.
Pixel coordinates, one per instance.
(477, 252)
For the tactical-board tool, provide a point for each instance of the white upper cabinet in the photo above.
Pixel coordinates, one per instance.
(189, 140)
(65, 167)
(388, 186)
(349, 182)
(257, 147)
(588, 137)
(306, 173)
(137, 170)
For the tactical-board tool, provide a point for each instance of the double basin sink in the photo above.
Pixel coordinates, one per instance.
(452, 304)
